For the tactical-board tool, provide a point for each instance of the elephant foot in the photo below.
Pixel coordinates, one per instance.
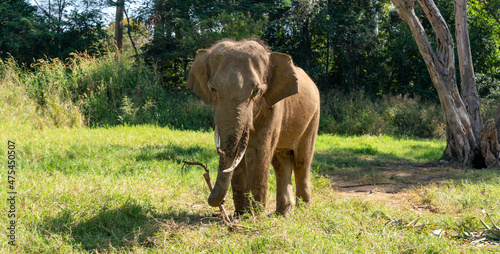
(283, 213)
(238, 213)
(284, 210)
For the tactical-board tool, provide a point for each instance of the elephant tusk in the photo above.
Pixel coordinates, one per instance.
(216, 138)
(243, 148)
(235, 163)
(216, 141)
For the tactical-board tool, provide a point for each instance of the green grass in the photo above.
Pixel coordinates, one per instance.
(121, 189)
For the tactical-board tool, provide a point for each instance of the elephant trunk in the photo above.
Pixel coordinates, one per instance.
(229, 158)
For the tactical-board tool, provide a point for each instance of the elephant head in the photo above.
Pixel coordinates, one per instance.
(238, 79)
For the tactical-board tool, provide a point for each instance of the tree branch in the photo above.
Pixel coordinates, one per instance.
(488, 7)
(210, 186)
(129, 35)
(43, 10)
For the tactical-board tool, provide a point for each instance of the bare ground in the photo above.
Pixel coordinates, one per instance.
(396, 184)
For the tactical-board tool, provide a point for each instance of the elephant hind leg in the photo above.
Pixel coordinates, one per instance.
(283, 163)
(303, 159)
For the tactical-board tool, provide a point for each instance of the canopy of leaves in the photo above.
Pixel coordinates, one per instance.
(49, 30)
(179, 28)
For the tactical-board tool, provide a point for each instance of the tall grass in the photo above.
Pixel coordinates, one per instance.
(357, 114)
(46, 106)
(96, 91)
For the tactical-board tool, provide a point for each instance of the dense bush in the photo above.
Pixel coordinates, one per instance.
(108, 90)
(36, 98)
(113, 89)
(395, 115)
(488, 87)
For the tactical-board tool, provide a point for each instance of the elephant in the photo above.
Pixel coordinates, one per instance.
(266, 111)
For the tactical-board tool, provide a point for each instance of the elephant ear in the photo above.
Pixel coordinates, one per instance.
(198, 76)
(283, 81)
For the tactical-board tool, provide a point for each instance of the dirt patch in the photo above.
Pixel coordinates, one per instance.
(396, 184)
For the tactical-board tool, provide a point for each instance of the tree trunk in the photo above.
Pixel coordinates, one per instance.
(461, 141)
(488, 141)
(120, 5)
(469, 88)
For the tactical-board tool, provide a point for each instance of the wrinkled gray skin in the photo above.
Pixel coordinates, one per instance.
(267, 112)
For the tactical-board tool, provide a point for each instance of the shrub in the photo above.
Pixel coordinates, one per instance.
(488, 86)
(37, 98)
(108, 90)
(412, 117)
(356, 114)
(351, 114)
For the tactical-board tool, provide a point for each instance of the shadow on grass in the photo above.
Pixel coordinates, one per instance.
(174, 153)
(368, 157)
(83, 158)
(120, 228)
(369, 168)
(338, 159)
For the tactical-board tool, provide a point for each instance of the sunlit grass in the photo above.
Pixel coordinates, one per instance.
(121, 189)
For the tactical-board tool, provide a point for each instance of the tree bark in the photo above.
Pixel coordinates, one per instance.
(120, 5)
(461, 141)
(469, 88)
(488, 142)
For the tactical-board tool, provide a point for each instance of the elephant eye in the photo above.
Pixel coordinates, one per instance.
(212, 89)
(255, 92)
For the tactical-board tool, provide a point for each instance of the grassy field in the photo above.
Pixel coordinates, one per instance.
(121, 189)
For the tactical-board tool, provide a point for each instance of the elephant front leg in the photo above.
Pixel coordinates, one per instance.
(258, 165)
(283, 163)
(239, 186)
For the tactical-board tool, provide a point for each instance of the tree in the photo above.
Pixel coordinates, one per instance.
(334, 41)
(462, 143)
(493, 8)
(467, 141)
(51, 29)
(469, 88)
(16, 21)
(180, 27)
(120, 7)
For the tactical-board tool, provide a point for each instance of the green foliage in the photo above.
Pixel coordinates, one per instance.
(484, 37)
(488, 87)
(16, 28)
(334, 41)
(394, 115)
(108, 90)
(181, 27)
(24, 100)
(112, 89)
(345, 46)
(407, 72)
(51, 32)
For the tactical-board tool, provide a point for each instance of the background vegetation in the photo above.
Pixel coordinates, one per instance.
(111, 89)
(359, 54)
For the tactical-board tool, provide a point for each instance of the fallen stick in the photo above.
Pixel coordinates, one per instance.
(210, 186)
